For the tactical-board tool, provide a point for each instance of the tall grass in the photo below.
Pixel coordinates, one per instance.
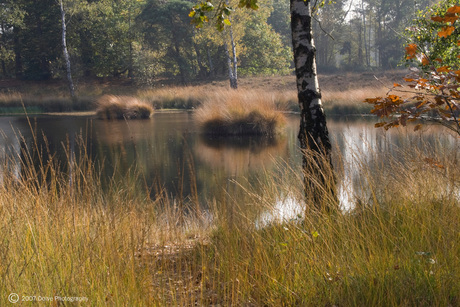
(397, 245)
(64, 234)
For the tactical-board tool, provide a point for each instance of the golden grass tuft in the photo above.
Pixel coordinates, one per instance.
(236, 113)
(122, 107)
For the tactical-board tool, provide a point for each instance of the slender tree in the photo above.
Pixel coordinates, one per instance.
(313, 134)
(66, 53)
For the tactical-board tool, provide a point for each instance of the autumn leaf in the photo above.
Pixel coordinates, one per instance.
(437, 19)
(425, 60)
(411, 50)
(455, 9)
(446, 31)
(449, 17)
(397, 85)
(393, 98)
(442, 69)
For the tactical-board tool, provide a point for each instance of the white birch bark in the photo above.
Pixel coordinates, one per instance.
(66, 53)
(313, 136)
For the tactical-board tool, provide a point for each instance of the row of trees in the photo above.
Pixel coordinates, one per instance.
(146, 39)
(140, 39)
(363, 34)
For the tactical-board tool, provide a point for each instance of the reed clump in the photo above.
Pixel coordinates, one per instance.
(240, 113)
(122, 107)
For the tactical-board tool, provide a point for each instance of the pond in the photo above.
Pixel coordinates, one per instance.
(171, 156)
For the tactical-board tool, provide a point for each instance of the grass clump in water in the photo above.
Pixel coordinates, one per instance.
(240, 113)
(122, 107)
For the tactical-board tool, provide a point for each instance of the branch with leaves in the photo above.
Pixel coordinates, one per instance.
(221, 13)
(434, 89)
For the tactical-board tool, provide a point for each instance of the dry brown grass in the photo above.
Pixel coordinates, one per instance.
(240, 113)
(343, 93)
(122, 107)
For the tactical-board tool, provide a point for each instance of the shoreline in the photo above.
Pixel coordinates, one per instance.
(343, 94)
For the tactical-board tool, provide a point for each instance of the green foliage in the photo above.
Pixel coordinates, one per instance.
(39, 37)
(264, 51)
(424, 32)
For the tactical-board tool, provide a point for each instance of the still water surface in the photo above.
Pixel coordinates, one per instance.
(170, 153)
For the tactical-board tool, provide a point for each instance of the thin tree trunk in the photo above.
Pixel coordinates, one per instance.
(4, 45)
(313, 133)
(231, 61)
(235, 64)
(131, 56)
(364, 34)
(66, 53)
(17, 53)
(233, 84)
(232, 71)
(211, 66)
(360, 44)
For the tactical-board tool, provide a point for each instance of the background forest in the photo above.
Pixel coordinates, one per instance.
(150, 39)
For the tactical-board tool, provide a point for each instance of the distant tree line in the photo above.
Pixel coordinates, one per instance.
(364, 34)
(148, 39)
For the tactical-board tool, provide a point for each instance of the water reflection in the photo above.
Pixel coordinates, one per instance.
(360, 144)
(170, 154)
(239, 155)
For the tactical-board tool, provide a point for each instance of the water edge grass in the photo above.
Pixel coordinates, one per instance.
(122, 107)
(342, 94)
(397, 245)
(239, 113)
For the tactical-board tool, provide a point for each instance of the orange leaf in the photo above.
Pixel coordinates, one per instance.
(454, 9)
(409, 79)
(437, 18)
(410, 51)
(443, 69)
(397, 85)
(446, 31)
(425, 60)
(450, 17)
(393, 98)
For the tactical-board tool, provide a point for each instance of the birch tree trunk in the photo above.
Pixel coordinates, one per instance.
(235, 64)
(231, 63)
(66, 53)
(313, 134)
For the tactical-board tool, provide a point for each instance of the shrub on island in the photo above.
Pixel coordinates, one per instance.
(238, 114)
(122, 107)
